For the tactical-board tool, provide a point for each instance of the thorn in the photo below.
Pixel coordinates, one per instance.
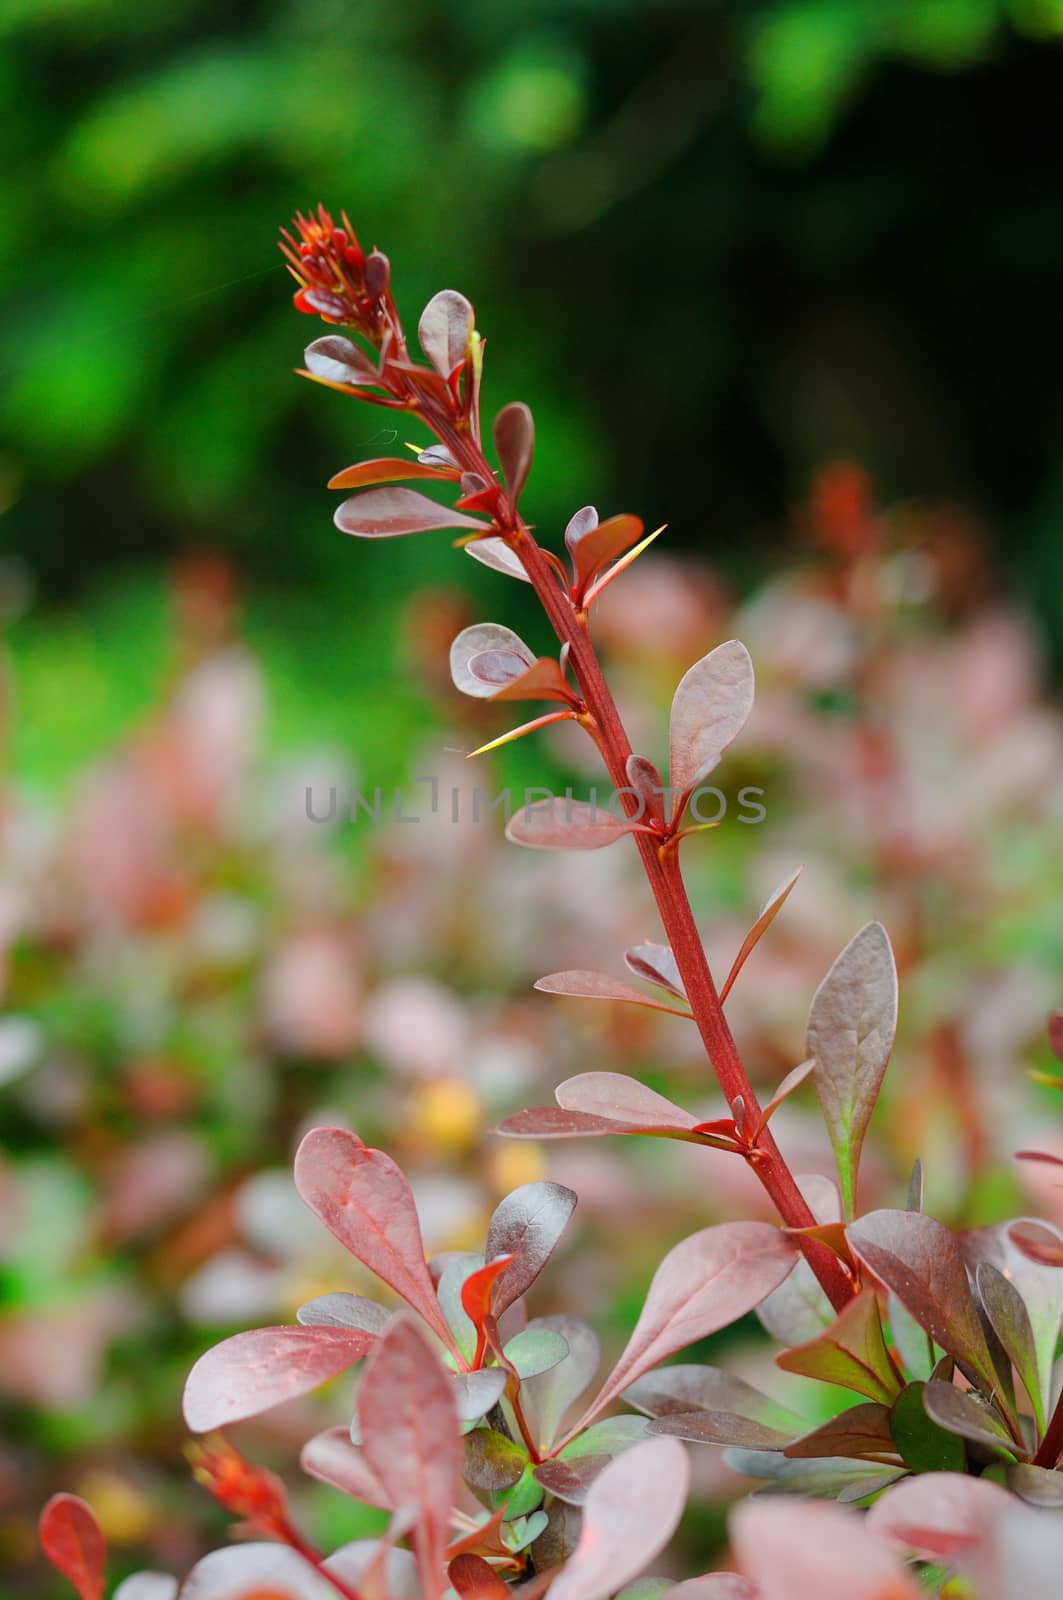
(625, 561)
(518, 733)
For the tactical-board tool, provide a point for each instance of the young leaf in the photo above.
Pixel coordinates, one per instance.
(709, 710)
(851, 1353)
(410, 1430)
(386, 469)
(563, 824)
(509, 657)
(704, 1283)
(443, 330)
(920, 1261)
(339, 361)
(940, 1516)
(1010, 1321)
(965, 1413)
(922, 1445)
(815, 1552)
(71, 1539)
(496, 554)
(477, 1291)
(390, 513)
(266, 1570)
(599, 986)
(792, 1082)
(527, 1225)
(332, 1458)
(543, 680)
(515, 443)
(657, 964)
(631, 1511)
(339, 1310)
(365, 1202)
(492, 1461)
(252, 1372)
(686, 1388)
(472, 1579)
(862, 1431)
(772, 906)
(623, 1100)
(850, 1036)
(601, 544)
(579, 526)
(551, 1393)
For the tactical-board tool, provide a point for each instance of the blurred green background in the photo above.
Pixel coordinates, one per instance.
(714, 245)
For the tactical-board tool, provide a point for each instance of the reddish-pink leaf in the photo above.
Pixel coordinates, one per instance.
(334, 1459)
(599, 986)
(365, 1202)
(543, 680)
(444, 328)
(920, 1261)
(387, 469)
(260, 1571)
(720, 1427)
(336, 360)
(686, 1388)
(71, 1539)
(702, 1285)
(624, 1100)
(252, 1372)
(601, 544)
(860, 1432)
(770, 911)
(851, 1353)
(709, 710)
(410, 1438)
(850, 1037)
(515, 443)
(550, 1122)
(647, 783)
(657, 964)
(527, 1225)
(939, 1516)
(473, 1579)
(570, 1480)
(496, 554)
(389, 513)
(476, 1291)
(501, 654)
(630, 1513)
(562, 824)
(808, 1551)
(1038, 1242)
(1044, 1156)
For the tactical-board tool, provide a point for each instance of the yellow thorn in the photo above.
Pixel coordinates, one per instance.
(625, 561)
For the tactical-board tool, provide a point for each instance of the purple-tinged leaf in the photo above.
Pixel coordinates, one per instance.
(580, 525)
(921, 1444)
(515, 442)
(630, 1513)
(602, 544)
(550, 1395)
(860, 1432)
(1036, 1485)
(344, 1311)
(551, 1122)
(797, 1311)
(920, 1261)
(339, 360)
(563, 824)
(719, 1427)
(472, 1579)
(409, 1427)
(391, 513)
(966, 1414)
(387, 469)
(437, 455)
(570, 1480)
(709, 710)
(1040, 1286)
(374, 1568)
(1038, 1242)
(543, 680)
(365, 1202)
(535, 1350)
(506, 655)
(850, 1036)
(815, 1552)
(493, 1462)
(444, 329)
(1055, 1033)
(332, 1458)
(1010, 1321)
(686, 1388)
(657, 964)
(252, 1372)
(703, 1284)
(623, 1100)
(527, 1225)
(851, 1353)
(476, 1392)
(267, 1571)
(828, 1478)
(770, 910)
(71, 1539)
(939, 1516)
(496, 554)
(644, 778)
(599, 986)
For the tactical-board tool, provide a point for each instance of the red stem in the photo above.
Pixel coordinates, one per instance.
(1051, 1446)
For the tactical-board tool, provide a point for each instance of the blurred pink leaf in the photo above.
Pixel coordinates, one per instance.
(472, 1579)
(709, 710)
(242, 1571)
(810, 1551)
(332, 1457)
(71, 1539)
(715, 1586)
(389, 513)
(252, 1372)
(630, 1513)
(409, 1426)
(444, 328)
(365, 1202)
(939, 1516)
(1038, 1242)
(920, 1261)
(851, 1353)
(702, 1285)
(527, 1225)
(850, 1036)
(599, 986)
(563, 824)
(773, 905)
(515, 442)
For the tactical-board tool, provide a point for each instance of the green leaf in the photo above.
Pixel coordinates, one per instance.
(852, 1353)
(492, 1462)
(535, 1350)
(922, 1445)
